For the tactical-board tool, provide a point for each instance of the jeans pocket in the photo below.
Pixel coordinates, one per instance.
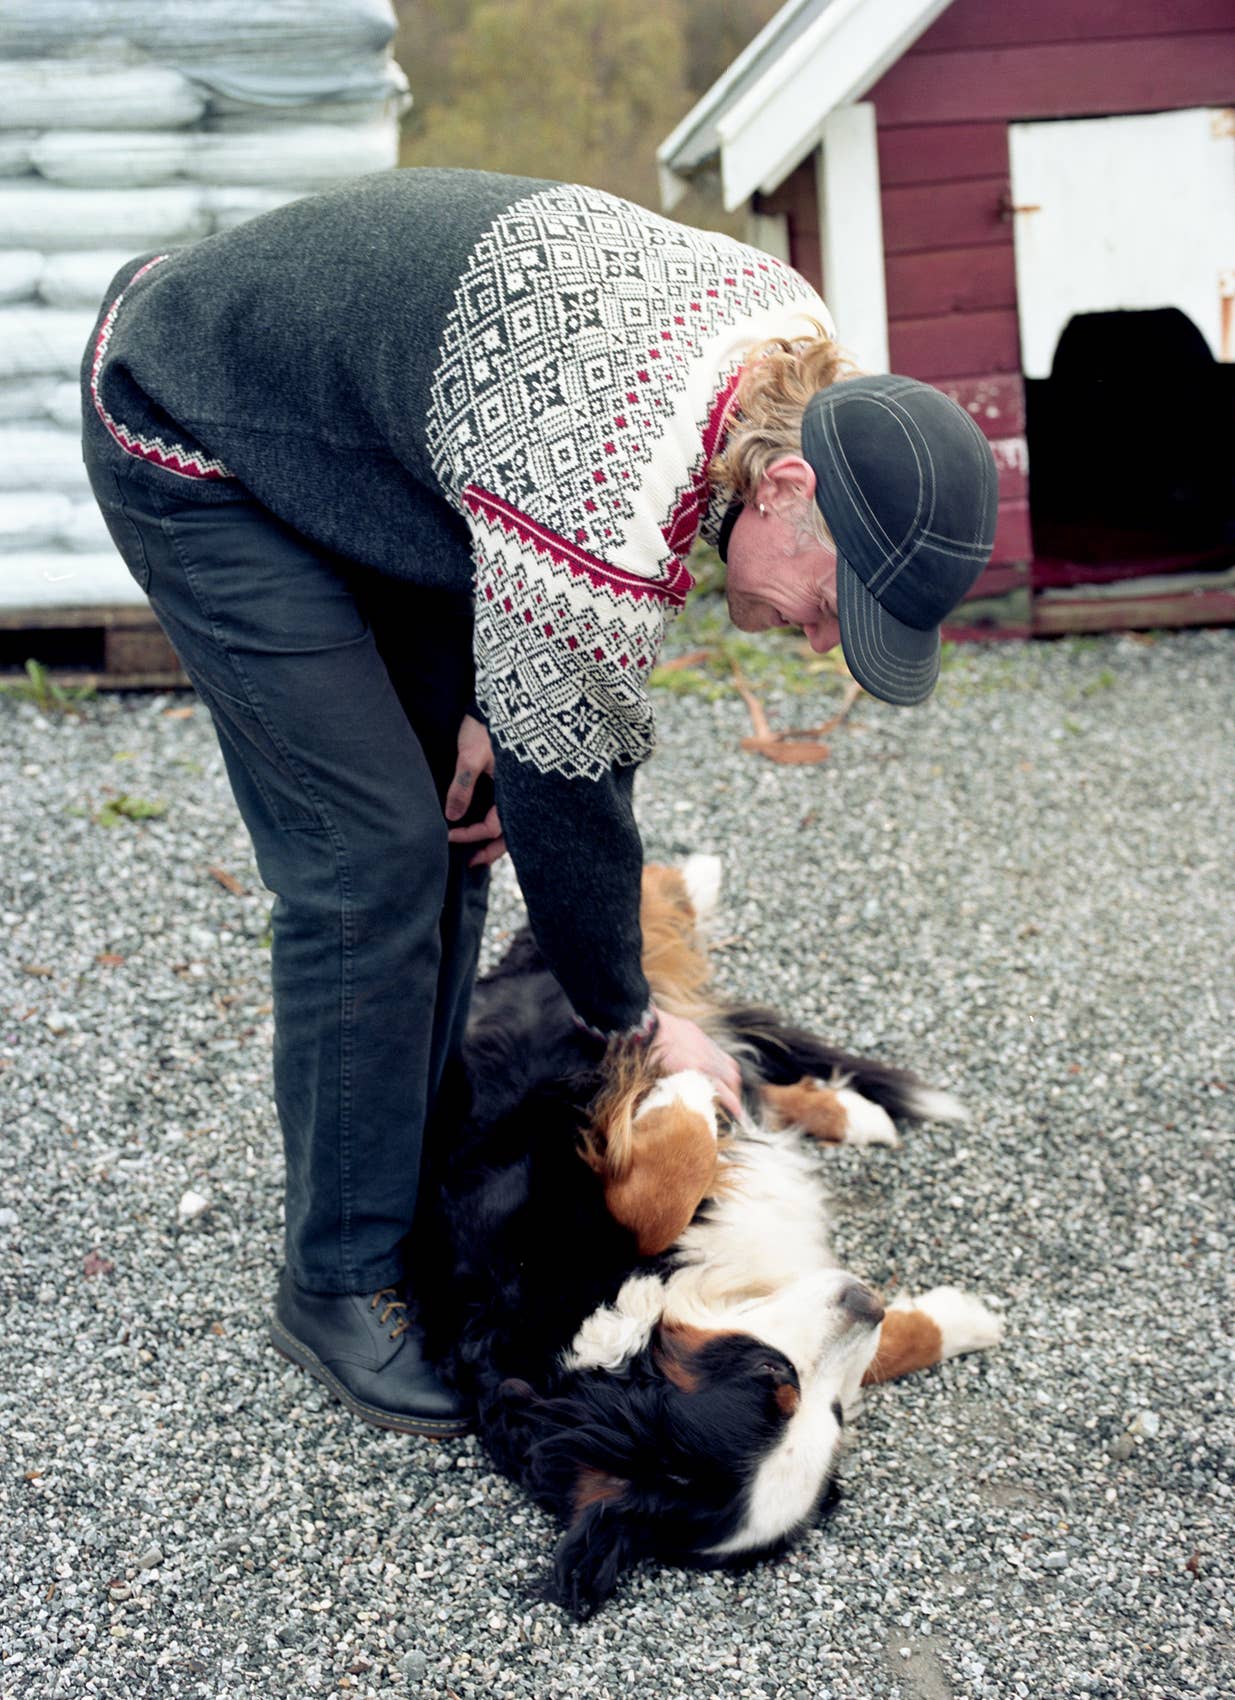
(128, 540)
(269, 791)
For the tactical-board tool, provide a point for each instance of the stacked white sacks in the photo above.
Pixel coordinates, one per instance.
(127, 126)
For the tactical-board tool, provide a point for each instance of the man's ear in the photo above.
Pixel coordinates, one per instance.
(788, 482)
(592, 1555)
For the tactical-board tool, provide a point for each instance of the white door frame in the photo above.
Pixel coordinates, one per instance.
(1124, 213)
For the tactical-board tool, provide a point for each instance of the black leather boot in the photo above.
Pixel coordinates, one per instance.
(364, 1349)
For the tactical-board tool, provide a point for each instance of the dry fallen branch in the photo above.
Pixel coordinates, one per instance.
(679, 663)
(800, 747)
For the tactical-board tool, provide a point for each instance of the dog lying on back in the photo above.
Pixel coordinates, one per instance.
(663, 1349)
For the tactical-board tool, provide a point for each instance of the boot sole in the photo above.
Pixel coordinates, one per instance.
(435, 1428)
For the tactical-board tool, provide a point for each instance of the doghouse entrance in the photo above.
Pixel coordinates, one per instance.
(1132, 447)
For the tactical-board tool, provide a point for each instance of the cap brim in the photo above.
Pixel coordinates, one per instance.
(892, 661)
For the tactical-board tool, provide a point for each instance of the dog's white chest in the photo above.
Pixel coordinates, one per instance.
(766, 1229)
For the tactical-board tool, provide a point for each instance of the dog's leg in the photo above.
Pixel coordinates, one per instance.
(916, 1333)
(835, 1116)
(653, 1141)
(672, 1163)
(674, 956)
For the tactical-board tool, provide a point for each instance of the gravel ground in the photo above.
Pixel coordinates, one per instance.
(1024, 889)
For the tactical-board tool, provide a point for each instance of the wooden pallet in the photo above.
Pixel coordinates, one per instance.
(100, 648)
(1137, 604)
(1055, 617)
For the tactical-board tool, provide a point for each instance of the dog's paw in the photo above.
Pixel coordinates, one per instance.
(702, 874)
(865, 1123)
(932, 1104)
(965, 1324)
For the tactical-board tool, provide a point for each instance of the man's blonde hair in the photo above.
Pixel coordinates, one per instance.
(778, 378)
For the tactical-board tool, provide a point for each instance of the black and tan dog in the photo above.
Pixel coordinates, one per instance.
(645, 1304)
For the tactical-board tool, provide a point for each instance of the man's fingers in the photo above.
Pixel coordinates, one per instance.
(474, 834)
(729, 1101)
(479, 831)
(474, 757)
(680, 1044)
(487, 832)
(728, 1078)
(491, 853)
(459, 796)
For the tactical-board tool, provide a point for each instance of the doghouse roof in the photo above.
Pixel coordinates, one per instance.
(768, 110)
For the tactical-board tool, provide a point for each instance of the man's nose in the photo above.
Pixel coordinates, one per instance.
(822, 635)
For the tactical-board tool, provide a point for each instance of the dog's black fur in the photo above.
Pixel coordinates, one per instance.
(519, 1249)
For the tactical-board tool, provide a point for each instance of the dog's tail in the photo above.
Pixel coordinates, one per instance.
(777, 1054)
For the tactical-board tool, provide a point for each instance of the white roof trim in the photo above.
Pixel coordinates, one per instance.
(765, 128)
(695, 138)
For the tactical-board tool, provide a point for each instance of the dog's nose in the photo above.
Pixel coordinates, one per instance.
(860, 1303)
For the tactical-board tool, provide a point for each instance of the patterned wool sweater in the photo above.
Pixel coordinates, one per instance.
(469, 380)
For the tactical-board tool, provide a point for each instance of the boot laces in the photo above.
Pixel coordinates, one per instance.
(393, 1303)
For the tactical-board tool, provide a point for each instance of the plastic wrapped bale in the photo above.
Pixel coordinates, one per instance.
(34, 214)
(281, 54)
(75, 94)
(125, 128)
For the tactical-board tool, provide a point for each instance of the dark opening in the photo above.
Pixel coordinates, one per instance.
(1132, 446)
(75, 648)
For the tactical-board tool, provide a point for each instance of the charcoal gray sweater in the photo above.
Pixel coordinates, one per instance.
(475, 382)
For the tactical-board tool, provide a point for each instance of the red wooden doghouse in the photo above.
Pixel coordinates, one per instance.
(1032, 207)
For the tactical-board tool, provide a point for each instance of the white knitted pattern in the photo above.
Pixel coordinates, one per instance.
(585, 368)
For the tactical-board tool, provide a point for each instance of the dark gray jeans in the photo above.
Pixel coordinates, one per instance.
(336, 695)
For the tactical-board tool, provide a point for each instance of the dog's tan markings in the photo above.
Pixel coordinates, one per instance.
(672, 1169)
(673, 959)
(908, 1340)
(608, 1142)
(788, 1398)
(595, 1486)
(657, 1166)
(678, 1349)
(813, 1108)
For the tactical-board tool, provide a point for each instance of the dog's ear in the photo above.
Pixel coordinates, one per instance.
(593, 1552)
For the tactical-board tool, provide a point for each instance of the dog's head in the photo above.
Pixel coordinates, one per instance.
(693, 1445)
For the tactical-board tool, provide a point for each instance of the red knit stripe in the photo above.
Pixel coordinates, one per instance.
(672, 588)
(173, 457)
(682, 525)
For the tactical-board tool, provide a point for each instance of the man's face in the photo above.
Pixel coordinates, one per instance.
(778, 577)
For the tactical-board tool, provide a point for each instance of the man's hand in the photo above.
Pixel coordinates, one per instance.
(680, 1044)
(475, 757)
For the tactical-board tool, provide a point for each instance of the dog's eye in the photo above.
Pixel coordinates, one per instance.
(779, 1372)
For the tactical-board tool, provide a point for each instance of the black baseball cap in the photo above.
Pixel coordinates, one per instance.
(907, 484)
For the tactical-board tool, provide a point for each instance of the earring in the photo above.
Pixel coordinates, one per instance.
(762, 509)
